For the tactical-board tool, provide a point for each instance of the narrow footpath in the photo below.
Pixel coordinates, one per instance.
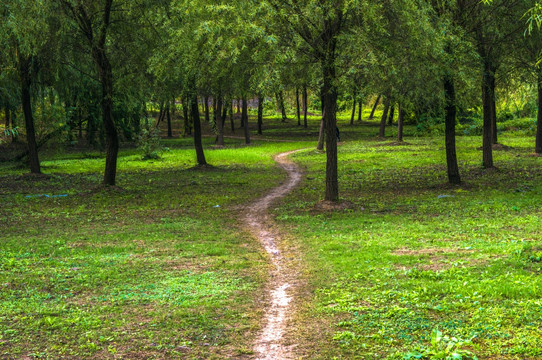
(283, 281)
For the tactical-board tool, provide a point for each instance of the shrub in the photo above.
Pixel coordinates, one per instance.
(149, 142)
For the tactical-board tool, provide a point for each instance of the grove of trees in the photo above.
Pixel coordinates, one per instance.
(91, 70)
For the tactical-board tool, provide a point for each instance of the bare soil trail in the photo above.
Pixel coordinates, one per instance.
(283, 280)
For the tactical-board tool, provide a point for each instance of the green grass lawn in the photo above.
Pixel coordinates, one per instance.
(408, 253)
(161, 267)
(157, 268)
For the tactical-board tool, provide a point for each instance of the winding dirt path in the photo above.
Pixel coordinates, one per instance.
(270, 344)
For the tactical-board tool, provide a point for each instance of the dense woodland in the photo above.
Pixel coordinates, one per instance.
(96, 73)
(277, 179)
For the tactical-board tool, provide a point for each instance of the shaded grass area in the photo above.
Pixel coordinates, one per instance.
(406, 253)
(158, 267)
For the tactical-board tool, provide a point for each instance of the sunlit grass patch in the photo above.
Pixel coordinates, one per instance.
(409, 253)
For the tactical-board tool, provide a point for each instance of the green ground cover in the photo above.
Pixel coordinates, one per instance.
(153, 269)
(408, 253)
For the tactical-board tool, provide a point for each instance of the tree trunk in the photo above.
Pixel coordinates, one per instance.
(215, 112)
(160, 115)
(200, 156)
(232, 118)
(486, 100)
(360, 110)
(451, 156)
(25, 63)
(374, 107)
(260, 113)
(305, 110)
(168, 115)
(353, 111)
(298, 108)
(494, 137)
(187, 127)
(321, 134)
(244, 117)
(90, 130)
(280, 98)
(538, 146)
(206, 106)
(392, 114)
(240, 111)
(400, 122)
(384, 117)
(330, 106)
(219, 121)
(111, 136)
(80, 135)
(224, 112)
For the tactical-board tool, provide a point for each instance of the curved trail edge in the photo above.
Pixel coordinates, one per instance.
(269, 343)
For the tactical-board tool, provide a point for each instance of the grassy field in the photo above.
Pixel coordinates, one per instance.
(156, 268)
(406, 254)
(160, 267)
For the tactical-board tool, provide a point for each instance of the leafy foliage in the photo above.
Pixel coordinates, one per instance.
(442, 348)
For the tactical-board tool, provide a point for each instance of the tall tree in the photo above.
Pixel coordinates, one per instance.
(96, 31)
(25, 33)
(319, 24)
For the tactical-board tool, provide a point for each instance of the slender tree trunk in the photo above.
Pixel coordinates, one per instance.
(400, 123)
(392, 115)
(486, 100)
(353, 111)
(451, 156)
(240, 112)
(538, 146)
(384, 117)
(280, 98)
(25, 63)
(215, 112)
(305, 110)
(111, 136)
(224, 112)
(374, 107)
(321, 134)
(260, 113)
(330, 106)
(244, 117)
(232, 117)
(360, 110)
(80, 115)
(219, 121)
(169, 130)
(160, 115)
(298, 107)
(90, 131)
(494, 137)
(200, 155)
(187, 127)
(207, 116)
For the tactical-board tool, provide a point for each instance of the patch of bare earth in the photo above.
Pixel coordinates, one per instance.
(284, 281)
(331, 206)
